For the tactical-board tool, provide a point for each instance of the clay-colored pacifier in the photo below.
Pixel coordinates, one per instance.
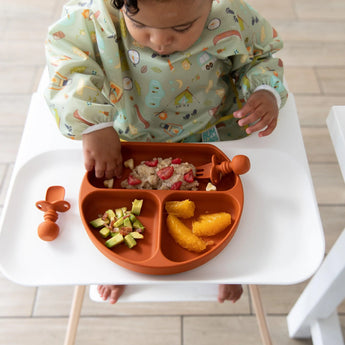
(54, 202)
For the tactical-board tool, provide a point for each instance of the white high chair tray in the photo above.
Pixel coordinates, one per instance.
(279, 239)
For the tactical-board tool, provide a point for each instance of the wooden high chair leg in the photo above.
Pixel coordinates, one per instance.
(74, 314)
(260, 315)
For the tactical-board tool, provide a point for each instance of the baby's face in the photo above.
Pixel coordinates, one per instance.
(168, 26)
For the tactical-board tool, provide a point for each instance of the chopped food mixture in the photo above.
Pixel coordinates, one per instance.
(120, 225)
(159, 173)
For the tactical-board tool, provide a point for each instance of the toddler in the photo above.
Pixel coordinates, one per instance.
(161, 71)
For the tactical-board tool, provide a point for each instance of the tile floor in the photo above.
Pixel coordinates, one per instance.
(314, 35)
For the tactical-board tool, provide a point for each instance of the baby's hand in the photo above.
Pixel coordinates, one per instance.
(261, 110)
(102, 152)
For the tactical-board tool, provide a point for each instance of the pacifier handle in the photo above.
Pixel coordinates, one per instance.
(54, 202)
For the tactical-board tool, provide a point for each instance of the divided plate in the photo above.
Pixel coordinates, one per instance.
(158, 253)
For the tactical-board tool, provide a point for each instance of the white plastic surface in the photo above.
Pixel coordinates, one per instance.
(315, 312)
(336, 127)
(162, 293)
(323, 294)
(279, 239)
(327, 331)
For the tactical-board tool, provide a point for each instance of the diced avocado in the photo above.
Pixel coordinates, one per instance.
(98, 222)
(113, 241)
(111, 214)
(136, 235)
(132, 217)
(130, 241)
(136, 206)
(127, 222)
(118, 223)
(119, 212)
(138, 225)
(105, 232)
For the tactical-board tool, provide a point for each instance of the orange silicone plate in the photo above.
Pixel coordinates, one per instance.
(158, 253)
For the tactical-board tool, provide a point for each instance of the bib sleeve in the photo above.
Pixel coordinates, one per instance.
(75, 93)
(259, 69)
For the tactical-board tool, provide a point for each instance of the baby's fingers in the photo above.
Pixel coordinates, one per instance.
(118, 170)
(243, 112)
(252, 118)
(269, 129)
(266, 123)
(89, 164)
(114, 168)
(100, 169)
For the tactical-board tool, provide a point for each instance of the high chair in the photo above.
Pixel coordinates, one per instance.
(158, 293)
(261, 251)
(164, 293)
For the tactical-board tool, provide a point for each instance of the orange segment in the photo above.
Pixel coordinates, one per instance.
(211, 224)
(181, 209)
(184, 236)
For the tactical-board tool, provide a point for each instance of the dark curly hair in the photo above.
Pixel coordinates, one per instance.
(130, 5)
